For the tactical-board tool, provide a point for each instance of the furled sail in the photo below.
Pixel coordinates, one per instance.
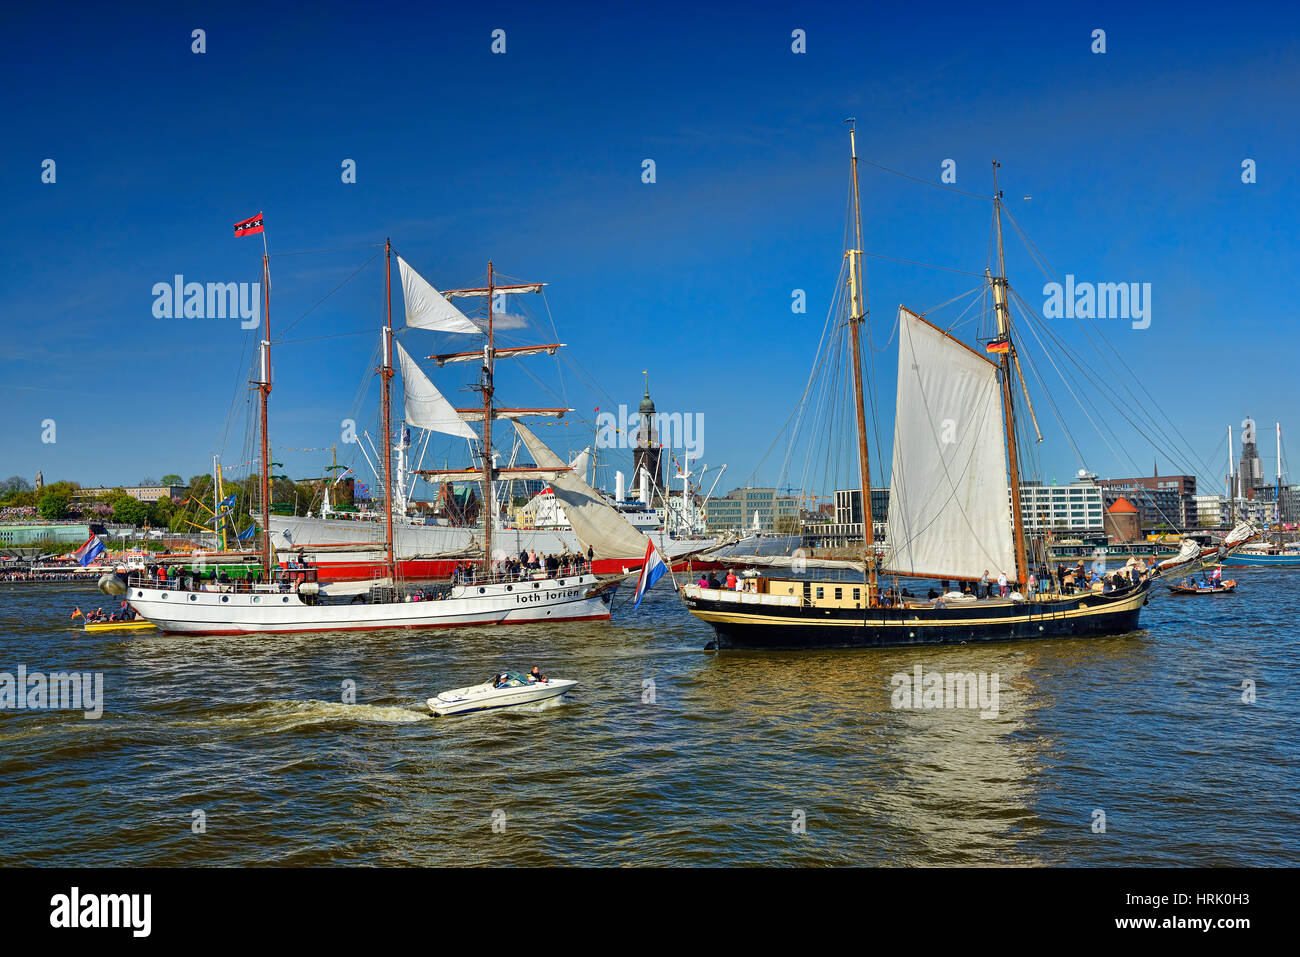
(1189, 550)
(476, 475)
(1243, 532)
(1192, 555)
(426, 308)
(597, 525)
(426, 408)
(949, 502)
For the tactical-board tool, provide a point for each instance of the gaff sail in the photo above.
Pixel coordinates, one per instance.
(597, 525)
(949, 510)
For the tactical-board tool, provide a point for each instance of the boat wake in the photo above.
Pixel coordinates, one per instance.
(279, 716)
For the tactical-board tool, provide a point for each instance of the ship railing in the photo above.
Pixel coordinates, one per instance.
(476, 576)
(189, 583)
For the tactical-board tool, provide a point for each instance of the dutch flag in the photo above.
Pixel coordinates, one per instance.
(88, 552)
(652, 569)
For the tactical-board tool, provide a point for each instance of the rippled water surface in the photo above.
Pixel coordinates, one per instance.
(734, 750)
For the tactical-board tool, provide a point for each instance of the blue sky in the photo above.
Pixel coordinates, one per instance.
(1132, 160)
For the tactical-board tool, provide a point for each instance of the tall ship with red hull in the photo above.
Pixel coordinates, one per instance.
(353, 548)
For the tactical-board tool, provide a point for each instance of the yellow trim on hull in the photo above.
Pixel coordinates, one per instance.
(121, 626)
(1127, 604)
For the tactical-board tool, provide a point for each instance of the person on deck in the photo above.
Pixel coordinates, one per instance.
(731, 579)
(984, 585)
(1002, 584)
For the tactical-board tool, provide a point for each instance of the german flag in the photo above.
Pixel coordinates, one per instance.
(999, 346)
(249, 226)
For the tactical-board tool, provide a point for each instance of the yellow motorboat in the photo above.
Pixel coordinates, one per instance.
(139, 624)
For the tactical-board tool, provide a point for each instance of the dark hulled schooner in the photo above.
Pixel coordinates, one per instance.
(950, 514)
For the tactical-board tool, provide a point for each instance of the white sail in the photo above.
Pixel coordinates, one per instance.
(597, 525)
(581, 462)
(426, 308)
(425, 406)
(949, 504)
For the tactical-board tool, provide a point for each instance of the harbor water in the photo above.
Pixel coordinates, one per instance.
(1171, 746)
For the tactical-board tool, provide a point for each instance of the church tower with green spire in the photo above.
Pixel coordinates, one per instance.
(648, 453)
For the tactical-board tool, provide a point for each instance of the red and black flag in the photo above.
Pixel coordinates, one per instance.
(999, 346)
(249, 226)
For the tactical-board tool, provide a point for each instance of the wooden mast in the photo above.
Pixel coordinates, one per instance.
(857, 313)
(386, 384)
(487, 431)
(1009, 415)
(264, 390)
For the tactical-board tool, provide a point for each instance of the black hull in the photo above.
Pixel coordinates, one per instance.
(797, 628)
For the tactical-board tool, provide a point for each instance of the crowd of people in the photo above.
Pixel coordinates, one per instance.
(28, 575)
(732, 582)
(527, 564)
(124, 613)
(1042, 582)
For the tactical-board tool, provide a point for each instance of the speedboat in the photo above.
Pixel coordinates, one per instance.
(505, 690)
